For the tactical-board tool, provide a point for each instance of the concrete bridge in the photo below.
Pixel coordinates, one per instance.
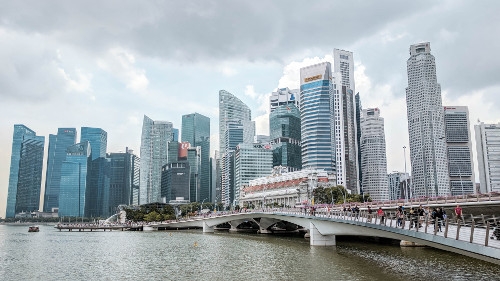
(324, 225)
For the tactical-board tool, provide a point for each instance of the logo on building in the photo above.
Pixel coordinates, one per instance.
(312, 78)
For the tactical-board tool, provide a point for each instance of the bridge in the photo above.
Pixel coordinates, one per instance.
(469, 237)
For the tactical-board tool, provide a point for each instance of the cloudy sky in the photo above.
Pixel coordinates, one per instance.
(108, 63)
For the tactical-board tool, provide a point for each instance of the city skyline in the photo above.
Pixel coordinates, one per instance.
(86, 85)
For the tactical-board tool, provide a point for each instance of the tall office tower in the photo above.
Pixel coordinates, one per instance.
(285, 134)
(217, 177)
(488, 156)
(235, 127)
(213, 180)
(251, 161)
(98, 139)
(373, 155)
(429, 161)
(74, 182)
(154, 139)
(175, 181)
(345, 115)
(194, 160)
(175, 134)
(25, 176)
(98, 187)
(459, 150)
(172, 151)
(196, 131)
(347, 169)
(397, 185)
(58, 144)
(123, 180)
(284, 96)
(316, 112)
(359, 109)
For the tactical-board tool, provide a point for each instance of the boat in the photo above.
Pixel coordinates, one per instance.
(33, 229)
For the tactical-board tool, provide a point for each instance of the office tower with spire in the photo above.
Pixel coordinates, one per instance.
(429, 161)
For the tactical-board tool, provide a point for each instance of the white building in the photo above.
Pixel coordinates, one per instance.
(398, 182)
(488, 156)
(426, 125)
(373, 155)
(284, 96)
(459, 150)
(345, 130)
(288, 189)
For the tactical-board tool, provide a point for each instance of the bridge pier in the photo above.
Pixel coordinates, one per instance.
(318, 239)
(208, 229)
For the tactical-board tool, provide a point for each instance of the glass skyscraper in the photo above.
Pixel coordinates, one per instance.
(74, 180)
(98, 139)
(98, 185)
(285, 135)
(25, 171)
(196, 131)
(58, 144)
(124, 179)
(316, 111)
(154, 139)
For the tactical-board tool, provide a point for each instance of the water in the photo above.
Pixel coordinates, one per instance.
(53, 255)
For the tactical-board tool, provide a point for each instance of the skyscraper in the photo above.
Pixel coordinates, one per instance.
(285, 134)
(373, 155)
(429, 161)
(175, 181)
(196, 131)
(459, 150)
(154, 139)
(74, 182)
(98, 187)
(488, 156)
(25, 171)
(58, 144)
(397, 185)
(124, 179)
(98, 139)
(359, 109)
(284, 96)
(316, 111)
(235, 127)
(251, 161)
(345, 129)
(194, 160)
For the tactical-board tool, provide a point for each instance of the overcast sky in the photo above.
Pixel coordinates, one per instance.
(108, 63)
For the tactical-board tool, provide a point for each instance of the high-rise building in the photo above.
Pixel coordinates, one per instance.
(25, 176)
(261, 139)
(98, 139)
(459, 150)
(316, 112)
(74, 182)
(373, 155)
(175, 181)
(196, 131)
(397, 185)
(58, 144)
(251, 161)
(346, 122)
(359, 109)
(488, 156)
(98, 188)
(235, 127)
(284, 96)
(154, 139)
(429, 161)
(175, 134)
(285, 134)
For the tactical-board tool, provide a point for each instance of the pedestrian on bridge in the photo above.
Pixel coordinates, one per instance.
(458, 213)
(381, 214)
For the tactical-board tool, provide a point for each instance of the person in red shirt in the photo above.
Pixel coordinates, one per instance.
(381, 214)
(458, 213)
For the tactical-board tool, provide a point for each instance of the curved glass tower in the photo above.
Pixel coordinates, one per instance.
(316, 112)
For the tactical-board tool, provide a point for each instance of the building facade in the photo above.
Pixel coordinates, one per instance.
(429, 161)
(25, 176)
(98, 139)
(316, 112)
(154, 139)
(74, 181)
(398, 182)
(488, 156)
(373, 155)
(285, 134)
(251, 161)
(359, 109)
(459, 150)
(56, 155)
(175, 181)
(196, 131)
(284, 96)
